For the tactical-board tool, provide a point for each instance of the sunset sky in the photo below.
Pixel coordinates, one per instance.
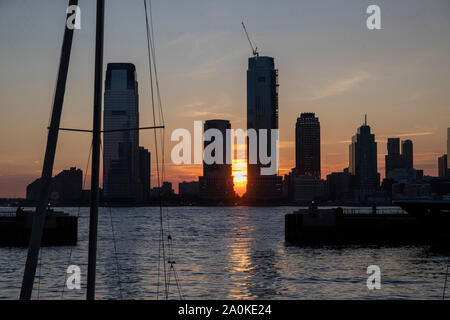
(328, 61)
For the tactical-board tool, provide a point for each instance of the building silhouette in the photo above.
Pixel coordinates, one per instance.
(399, 166)
(442, 166)
(448, 141)
(125, 179)
(393, 159)
(444, 170)
(65, 188)
(363, 162)
(144, 173)
(188, 190)
(340, 185)
(307, 145)
(302, 189)
(399, 163)
(407, 153)
(393, 146)
(262, 113)
(216, 184)
(165, 192)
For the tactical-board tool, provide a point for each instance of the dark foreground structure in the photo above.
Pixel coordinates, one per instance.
(60, 229)
(425, 223)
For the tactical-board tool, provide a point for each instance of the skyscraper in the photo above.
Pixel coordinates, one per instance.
(400, 163)
(442, 166)
(407, 153)
(121, 149)
(393, 159)
(262, 113)
(216, 184)
(399, 167)
(363, 161)
(144, 172)
(448, 142)
(393, 146)
(307, 145)
(444, 161)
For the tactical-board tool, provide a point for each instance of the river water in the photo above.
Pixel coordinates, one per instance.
(222, 253)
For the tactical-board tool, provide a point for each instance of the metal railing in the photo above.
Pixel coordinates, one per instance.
(377, 211)
(7, 213)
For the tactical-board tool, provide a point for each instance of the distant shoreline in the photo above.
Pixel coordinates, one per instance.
(368, 205)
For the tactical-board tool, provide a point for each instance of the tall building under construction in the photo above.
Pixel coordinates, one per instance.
(262, 113)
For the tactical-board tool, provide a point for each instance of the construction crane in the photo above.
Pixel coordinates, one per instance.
(254, 49)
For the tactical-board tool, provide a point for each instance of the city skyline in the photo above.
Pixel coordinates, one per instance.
(218, 176)
(400, 85)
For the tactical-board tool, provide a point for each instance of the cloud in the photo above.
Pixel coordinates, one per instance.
(196, 104)
(204, 110)
(216, 64)
(412, 97)
(415, 134)
(209, 115)
(197, 42)
(341, 86)
(206, 54)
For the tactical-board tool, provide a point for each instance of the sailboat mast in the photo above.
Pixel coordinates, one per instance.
(96, 140)
(47, 170)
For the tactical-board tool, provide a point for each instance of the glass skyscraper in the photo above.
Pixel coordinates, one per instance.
(262, 113)
(121, 149)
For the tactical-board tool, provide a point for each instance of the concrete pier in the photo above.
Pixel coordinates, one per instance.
(333, 226)
(60, 229)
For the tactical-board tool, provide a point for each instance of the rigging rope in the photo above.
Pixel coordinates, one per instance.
(115, 253)
(39, 276)
(154, 86)
(78, 216)
(114, 243)
(446, 277)
(161, 243)
(172, 269)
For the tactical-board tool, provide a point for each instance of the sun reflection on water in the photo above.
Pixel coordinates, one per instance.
(240, 262)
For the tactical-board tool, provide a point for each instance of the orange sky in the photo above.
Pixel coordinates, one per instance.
(328, 62)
